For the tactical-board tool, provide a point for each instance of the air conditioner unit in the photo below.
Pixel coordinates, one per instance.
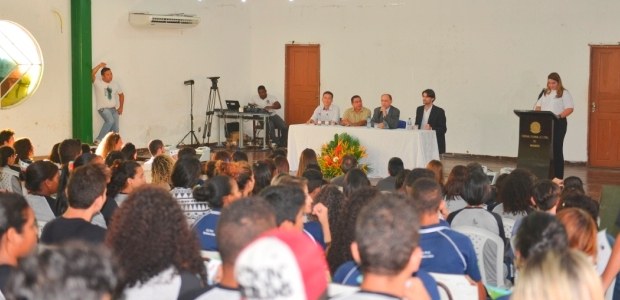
(163, 20)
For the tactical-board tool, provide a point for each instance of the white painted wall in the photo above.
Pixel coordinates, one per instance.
(483, 58)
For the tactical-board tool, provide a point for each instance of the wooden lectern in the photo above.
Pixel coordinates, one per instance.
(536, 142)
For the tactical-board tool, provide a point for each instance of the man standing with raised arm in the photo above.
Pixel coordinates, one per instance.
(108, 105)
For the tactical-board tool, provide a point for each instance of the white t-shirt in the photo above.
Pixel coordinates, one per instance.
(166, 285)
(555, 105)
(427, 113)
(106, 94)
(269, 100)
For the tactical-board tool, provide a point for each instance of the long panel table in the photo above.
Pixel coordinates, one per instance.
(415, 147)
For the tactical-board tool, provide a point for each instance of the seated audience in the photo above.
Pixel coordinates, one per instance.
(129, 151)
(218, 192)
(348, 162)
(9, 178)
(571, 273)
(126, 177)
(112, 157)
(282, 264)
(187, 152)
(315, 227)
(239, 156)
(164, 262)
(156, 147)
(288, 203)
(25, 151)
(245, 179)
(18, 234)
(343, 232)
(54, 156)
(86, 196)
(7, 137)
(546, 196)
(161, 171)
(326, 209)
(42, 182)
(414, 175)
(185, 176)
(86, 148)
(395, 166)
(68, 151)
(516, 194)
(386, 247)
(539, 233)
(355, 180)
(315, 181)
(399, 181)
(444, 250)
(223, 155)
(87, 158)
(262, 176)
(282, 165)
(474, 214)
(437, 168)
(454, 188)
(581, 230)
(73, 271)
(111, 142)
(307, 157)
(240, 223)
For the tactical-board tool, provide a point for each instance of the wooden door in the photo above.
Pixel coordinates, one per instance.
(302, 82)
(604, 107)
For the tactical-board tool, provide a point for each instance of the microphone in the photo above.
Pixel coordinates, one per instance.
(539, 96)
(189, 82)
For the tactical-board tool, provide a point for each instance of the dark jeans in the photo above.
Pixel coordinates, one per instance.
(276, 122)
(559, 132)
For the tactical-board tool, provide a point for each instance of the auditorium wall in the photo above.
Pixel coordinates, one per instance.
(482, 58)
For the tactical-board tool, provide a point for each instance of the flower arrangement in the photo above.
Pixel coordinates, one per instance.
(332, 153)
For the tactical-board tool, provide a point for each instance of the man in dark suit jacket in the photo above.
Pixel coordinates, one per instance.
(386, 116)
(436, 119)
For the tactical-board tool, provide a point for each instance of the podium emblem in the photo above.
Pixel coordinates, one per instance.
(535, 127)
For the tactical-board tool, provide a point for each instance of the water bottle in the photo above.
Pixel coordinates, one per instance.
(368, 123)
(409, 127)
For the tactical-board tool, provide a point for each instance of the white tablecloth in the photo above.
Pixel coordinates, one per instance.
(415, 147)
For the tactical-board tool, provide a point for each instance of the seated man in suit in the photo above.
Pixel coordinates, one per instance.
(431, 117)
(386, 116)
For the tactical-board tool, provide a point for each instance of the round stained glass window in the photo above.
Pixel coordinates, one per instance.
(21, 64)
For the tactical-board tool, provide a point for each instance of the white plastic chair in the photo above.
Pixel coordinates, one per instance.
(481, 238)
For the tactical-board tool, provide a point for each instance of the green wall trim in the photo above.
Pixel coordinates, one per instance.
(81, 60)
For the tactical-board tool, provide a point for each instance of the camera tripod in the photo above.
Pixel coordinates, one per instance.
(213, 93)
(191, 133)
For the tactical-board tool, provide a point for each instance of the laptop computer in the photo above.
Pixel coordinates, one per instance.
(232, 105)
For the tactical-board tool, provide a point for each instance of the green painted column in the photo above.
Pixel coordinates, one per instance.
(81, 59)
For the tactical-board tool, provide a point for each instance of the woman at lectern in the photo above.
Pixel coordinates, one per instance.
(557, 100)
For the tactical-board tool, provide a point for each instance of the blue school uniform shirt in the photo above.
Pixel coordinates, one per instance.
(314, 230)
(349, 273)
(448, 251)
(205, 229)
